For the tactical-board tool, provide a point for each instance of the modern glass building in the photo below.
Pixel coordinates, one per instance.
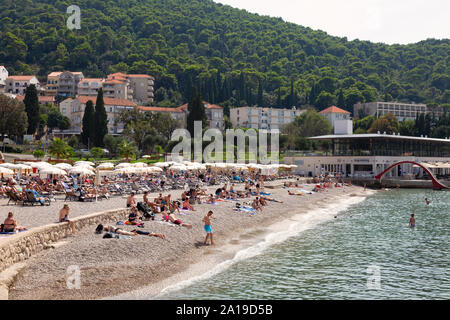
(367, 155)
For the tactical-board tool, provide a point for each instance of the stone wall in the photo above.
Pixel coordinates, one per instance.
(19, 247)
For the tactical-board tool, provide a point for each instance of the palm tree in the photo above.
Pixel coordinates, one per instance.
(127, 149)
(60, 148)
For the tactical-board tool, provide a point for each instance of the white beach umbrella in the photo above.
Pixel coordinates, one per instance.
(178, 167)
(53, 170)
(82, 171)
(139, 165)
(84, 162)
(123, 165)
(4, 170)
(125, 170)
(106, 165)
(64, 166)
(154, 169)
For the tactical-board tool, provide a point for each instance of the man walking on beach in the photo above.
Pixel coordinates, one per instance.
(208, 229)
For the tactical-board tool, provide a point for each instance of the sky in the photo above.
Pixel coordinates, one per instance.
(387, 21)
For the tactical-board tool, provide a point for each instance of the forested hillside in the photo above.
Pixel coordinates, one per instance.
(234, 58)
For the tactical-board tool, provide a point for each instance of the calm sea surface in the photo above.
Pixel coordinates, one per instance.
(367, 252)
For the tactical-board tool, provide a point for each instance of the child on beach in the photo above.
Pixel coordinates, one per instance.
(208, 229)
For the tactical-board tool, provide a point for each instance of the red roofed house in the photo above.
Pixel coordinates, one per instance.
(214, 113)
(18, 84)
(74, 110)
(340, 120)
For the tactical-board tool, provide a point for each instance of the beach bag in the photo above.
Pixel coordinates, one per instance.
(146, 212)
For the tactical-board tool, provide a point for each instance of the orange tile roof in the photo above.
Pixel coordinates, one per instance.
(91, 80)
(139, 76)
(159, 109)
(108, 101)
(42, 99)
(55, 74)
(334, 109)
(21, 78)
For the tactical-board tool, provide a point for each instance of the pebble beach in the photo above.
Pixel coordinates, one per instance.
(113, 267)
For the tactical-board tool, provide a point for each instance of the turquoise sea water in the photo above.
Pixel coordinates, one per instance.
(367, 252)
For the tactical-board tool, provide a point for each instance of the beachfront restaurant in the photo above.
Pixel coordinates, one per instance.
(366, 155)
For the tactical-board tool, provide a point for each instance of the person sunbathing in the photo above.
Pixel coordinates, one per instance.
(172, 218)
(271, 199)
(10, 224)
(187, 205)
(100, 228)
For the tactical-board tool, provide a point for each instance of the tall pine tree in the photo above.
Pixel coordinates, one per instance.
(88, 130)
(196, 111)
(31, 102)
(101, 120)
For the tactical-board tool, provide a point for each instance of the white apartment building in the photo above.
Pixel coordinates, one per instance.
(3, 77)
(139, 86)
(74, 110)
(18, 84)
(402, 111)
(263, 118)
(340, 120)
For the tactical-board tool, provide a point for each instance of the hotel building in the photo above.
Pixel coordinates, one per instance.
(262, 118)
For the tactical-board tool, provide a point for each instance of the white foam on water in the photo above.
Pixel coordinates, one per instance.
(279, 233)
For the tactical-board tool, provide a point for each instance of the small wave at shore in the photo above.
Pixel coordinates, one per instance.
(278, 233)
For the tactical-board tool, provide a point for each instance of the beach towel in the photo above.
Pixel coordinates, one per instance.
(265, 194)
(9, 233)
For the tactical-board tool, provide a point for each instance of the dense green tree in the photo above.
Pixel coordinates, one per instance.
(88, 125)
(60, 148)
(197, 112)
(101, 120)
(13, 118)
(32, 108)
(222, 51)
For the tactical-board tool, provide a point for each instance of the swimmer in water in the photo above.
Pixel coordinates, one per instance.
(412, 221)
(427, 201)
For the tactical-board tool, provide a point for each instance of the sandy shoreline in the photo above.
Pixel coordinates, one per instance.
(122, 268)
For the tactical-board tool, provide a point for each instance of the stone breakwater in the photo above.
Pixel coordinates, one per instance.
(21, 246)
